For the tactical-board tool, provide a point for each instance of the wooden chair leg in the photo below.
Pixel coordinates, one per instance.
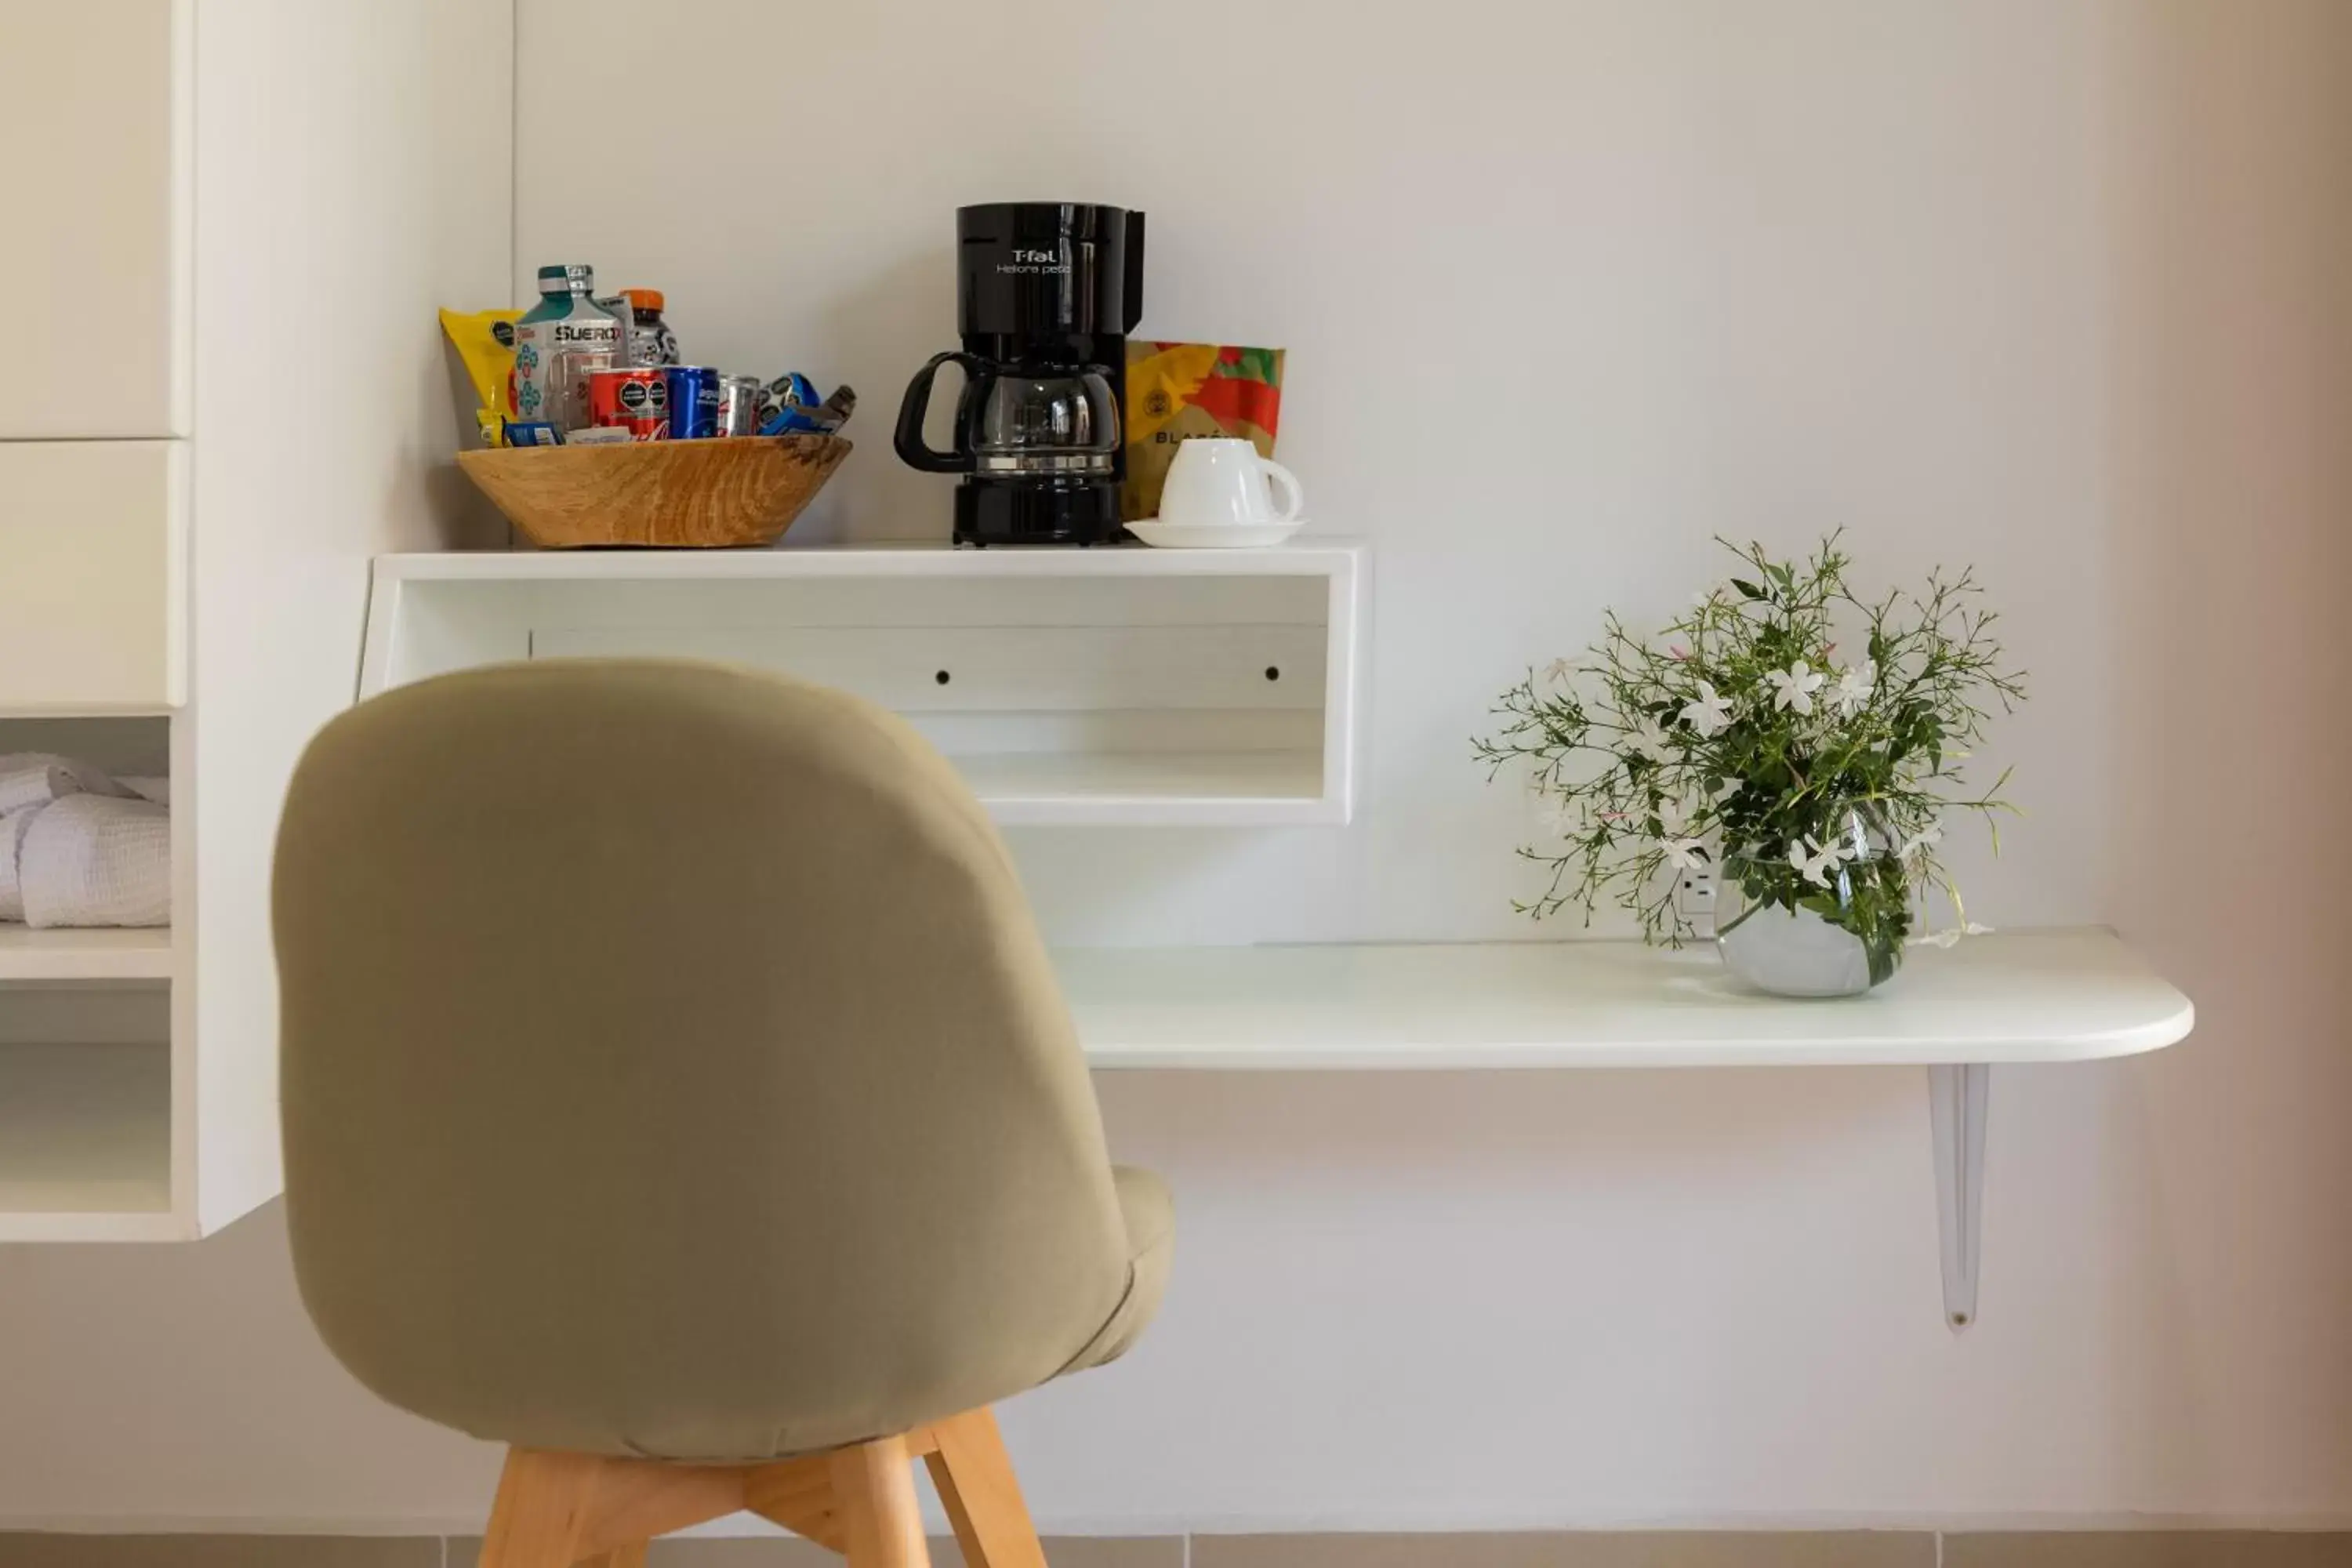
(557, 1509)
(874, 1493)
(798, 1495)
(542, 1509)
(975, 1481)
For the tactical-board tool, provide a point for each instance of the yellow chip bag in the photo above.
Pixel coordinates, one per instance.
(485, 341)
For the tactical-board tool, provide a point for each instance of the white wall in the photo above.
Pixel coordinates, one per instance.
(2052, 286)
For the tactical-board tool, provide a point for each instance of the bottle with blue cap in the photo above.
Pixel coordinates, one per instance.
(558, 342)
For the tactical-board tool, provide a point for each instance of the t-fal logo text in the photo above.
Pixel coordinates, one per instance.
(1041, 257)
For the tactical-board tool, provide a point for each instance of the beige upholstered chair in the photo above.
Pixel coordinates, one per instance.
(675, 1092)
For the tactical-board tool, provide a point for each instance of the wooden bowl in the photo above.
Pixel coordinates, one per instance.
(707, 494)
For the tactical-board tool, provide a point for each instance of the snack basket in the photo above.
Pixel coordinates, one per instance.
(707, 494)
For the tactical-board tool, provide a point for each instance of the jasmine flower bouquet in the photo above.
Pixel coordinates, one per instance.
(1796, 740)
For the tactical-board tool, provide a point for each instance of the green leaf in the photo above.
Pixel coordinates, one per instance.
(1746, 589)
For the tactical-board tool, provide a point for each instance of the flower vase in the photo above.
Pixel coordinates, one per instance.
(1791, 934)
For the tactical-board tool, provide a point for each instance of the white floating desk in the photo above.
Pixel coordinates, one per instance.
(2027, 996)
(2030, 997)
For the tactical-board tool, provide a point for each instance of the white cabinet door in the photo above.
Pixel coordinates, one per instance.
(94, 113)
(93, 561)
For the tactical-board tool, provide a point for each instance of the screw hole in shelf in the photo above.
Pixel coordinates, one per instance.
(942, 678)
(1274, 672)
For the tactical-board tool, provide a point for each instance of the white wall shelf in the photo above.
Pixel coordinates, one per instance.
(83, 956)
(1111, 687)
(2070, 995)
(2024, 996)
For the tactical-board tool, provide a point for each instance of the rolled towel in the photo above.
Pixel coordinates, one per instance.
(96, 860)
(13, 828)
(36, 778)
(157, 790)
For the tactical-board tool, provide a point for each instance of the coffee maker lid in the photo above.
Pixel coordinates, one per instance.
(1048, 270)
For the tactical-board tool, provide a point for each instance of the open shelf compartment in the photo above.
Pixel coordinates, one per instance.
(1114, 687)
(85, 1112)
(89, 1072)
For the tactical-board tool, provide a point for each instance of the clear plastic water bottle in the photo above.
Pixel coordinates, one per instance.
(557, 342)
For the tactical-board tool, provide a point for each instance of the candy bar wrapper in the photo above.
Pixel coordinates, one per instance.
(1177, 390)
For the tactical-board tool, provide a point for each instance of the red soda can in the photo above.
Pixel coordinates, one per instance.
(636, 399)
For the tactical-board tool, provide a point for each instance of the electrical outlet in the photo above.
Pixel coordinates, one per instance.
(1695, 899)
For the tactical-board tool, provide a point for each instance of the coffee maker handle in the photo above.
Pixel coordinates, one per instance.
(912, 449)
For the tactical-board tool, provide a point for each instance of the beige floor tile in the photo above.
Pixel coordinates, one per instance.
(770, 1551)
(2148, 1548)
(219, 1552)
(1572, 1548)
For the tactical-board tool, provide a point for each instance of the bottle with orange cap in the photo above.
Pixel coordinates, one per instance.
(651, 342)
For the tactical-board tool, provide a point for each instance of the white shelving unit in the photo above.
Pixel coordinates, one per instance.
(1115, 687)
(2030, 996)
(174, 598)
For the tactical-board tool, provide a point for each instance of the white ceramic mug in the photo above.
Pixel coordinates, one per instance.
(1216, 482)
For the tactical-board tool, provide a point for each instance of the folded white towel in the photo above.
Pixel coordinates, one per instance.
(96, 860)
(36, 778)
(13, 828)
(157, 790)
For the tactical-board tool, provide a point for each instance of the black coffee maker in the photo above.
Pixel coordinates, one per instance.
(1048, 292)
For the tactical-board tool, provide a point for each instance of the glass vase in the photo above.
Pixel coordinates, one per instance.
(1791, 936)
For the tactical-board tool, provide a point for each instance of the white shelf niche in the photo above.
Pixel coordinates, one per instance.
(86, 1113)
(1112, 687)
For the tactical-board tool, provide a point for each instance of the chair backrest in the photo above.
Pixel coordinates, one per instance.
(668, 1050)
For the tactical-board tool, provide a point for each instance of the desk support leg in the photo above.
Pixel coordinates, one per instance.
(1956, 1103)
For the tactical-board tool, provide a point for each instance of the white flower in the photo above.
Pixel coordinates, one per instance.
(1558, 672)
(1794, 687)
(1731, 787)
(1651, 742)
(1926, 837)
(1816, 867)
(1951, 938)
(1685, 854)
(1854, 686)
(1707, 713)
(1561, 816)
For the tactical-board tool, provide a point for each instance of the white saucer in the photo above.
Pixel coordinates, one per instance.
(1213, 535)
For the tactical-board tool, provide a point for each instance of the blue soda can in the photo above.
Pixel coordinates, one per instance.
(693, 401)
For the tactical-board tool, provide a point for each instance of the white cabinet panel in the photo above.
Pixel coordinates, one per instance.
(94, 111)
(93, 551)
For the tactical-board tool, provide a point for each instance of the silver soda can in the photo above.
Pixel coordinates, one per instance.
(739, 405)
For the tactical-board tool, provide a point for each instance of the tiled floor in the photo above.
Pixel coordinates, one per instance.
(1645, 1549)
(1649, 1549)
(2197, 1548)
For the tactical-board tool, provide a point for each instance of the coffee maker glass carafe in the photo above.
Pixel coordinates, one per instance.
(1032, 421)
(1045, 422)
(1049, 291)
